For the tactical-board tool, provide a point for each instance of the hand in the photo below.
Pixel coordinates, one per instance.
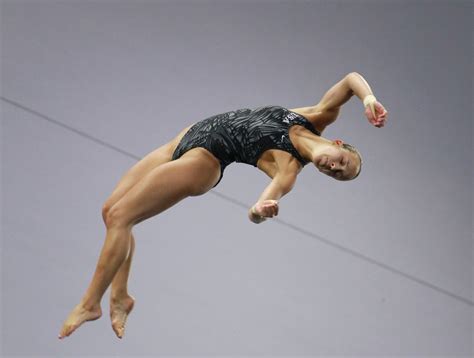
(379, 117)
(260, 211)
(266, 208)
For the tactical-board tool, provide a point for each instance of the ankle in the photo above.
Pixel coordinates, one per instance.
(118, 295)
(90, 305)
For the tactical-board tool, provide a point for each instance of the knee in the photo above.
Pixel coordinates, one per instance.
(115, 216)
(112, 214)
(105, 210)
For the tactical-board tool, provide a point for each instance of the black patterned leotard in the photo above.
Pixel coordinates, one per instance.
(244, 134)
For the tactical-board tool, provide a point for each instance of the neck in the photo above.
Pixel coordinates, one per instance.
(308, 144)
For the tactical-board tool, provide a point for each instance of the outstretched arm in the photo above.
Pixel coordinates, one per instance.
(374, 110)
(267, 204)
(352, 84)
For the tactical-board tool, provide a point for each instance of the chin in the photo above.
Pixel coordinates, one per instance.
(317, 161)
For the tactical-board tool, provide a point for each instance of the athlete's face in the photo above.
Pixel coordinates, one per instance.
(337, 162)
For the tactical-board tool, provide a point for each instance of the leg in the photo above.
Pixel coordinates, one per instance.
(132, 176)
(157, 157)
(119, 289)
(121, 303)
(152, 160)
(193, 174)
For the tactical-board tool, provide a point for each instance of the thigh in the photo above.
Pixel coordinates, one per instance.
(152, 160)
(193, 174)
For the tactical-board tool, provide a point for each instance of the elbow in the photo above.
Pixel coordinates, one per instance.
(354, 73)
(353, 76)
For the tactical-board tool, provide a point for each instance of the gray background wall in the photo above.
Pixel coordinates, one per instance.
(379, 266)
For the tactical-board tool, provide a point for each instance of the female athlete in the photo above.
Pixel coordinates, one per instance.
(276, 140)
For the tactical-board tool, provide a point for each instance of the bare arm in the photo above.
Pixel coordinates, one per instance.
(267, 203)
(374, 110)
(358, 85)
(336, 96)
(342, 91)
(352, 84)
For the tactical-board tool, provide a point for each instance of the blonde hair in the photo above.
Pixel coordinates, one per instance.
(353, 149)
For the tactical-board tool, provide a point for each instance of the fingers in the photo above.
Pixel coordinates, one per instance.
(273, 207)
(380, 120)
(371, 115)
(266, 208)
(270, 208)
(383, 118)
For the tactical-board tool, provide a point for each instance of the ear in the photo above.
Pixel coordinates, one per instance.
(338, 142)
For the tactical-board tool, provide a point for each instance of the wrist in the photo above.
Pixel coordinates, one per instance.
(369, 100)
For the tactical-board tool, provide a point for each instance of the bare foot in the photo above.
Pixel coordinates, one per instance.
(119, 310)
(78, 316)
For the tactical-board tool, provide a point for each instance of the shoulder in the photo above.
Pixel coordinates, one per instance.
(320, 117)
